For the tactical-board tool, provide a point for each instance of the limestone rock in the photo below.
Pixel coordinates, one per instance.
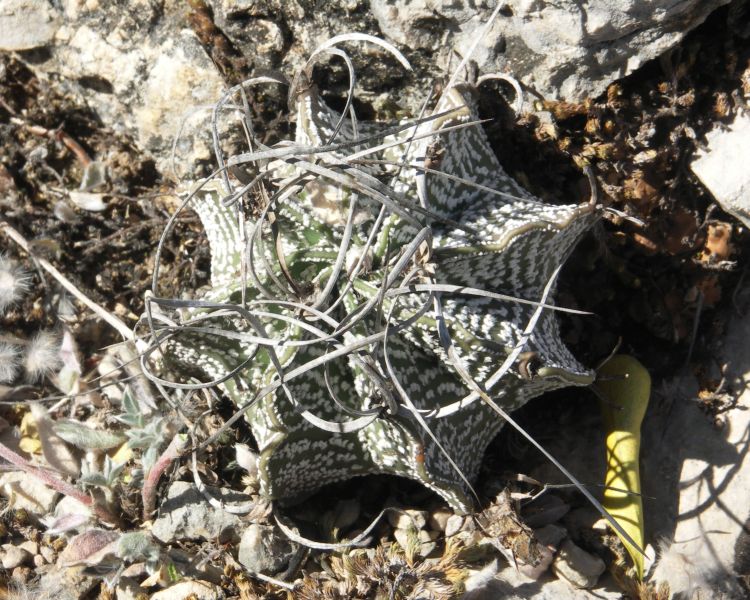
(721, 167)
(408, 519)
(27, 493)
(142, 70)
(264, 549)
(14, 556)
(563, 49)
(577, 566)
(27, 24)
(186, 514)
(195, 590)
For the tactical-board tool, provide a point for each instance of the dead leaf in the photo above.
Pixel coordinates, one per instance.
(54, 449)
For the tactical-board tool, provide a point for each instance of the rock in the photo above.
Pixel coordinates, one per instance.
(186, 514)
(248, 26)
(27, 24)
(577, 566)
(699, 476)
(408, 519)
(141, 70)
(346, 513)
(454, 524)
(563, 49)
(439, 519)
(264, 549)
(482, 585)
(192, 566)
(14, 556)
(28, 493)
(721, 166)
(68, 584)
(535, 570)
(30, 547)
(48, 553)
(545, 510)
(195, 590)
(145, 72)
(553, 589)
(127, 588)
(550, 535)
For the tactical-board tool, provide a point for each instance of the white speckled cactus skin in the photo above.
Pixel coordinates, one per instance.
(508, 243)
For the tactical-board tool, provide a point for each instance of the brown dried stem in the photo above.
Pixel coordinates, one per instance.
(148, 494)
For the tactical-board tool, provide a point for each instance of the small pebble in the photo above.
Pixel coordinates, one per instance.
(535, 571)
(439, 519)
(21, 574)
(402, 537)
(39, 561)
(408, 519)
(453, 525)
(30, 547)
(48, 554)
(264, 549)
(14, 556)
(545, 510)
(551, 535)
(424, 541)
(347, 513)
(193, 589)
(577, 566)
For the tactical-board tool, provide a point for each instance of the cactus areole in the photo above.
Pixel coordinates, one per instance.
(372, 284)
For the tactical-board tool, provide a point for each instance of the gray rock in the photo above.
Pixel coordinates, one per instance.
(141, 70)
(408, 519)
(249, 26)
(346, 513)
(195, 590)
(145, 72)
(27, 24)
(47, 553)
(545, 510)
(186, 514)
(454, 525)
(127, 588)
(577, 566)
(67, 584)
(30, 547)
(721, 167)
(14, 556)
(28, 493)
(550, 535)
(439, 519)
(564, 49)
(265, 549)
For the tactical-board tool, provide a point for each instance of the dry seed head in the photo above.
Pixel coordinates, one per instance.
(43, 355)
(10, 360)
(14, 281)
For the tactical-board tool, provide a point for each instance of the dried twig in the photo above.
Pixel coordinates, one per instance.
(59, 136)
